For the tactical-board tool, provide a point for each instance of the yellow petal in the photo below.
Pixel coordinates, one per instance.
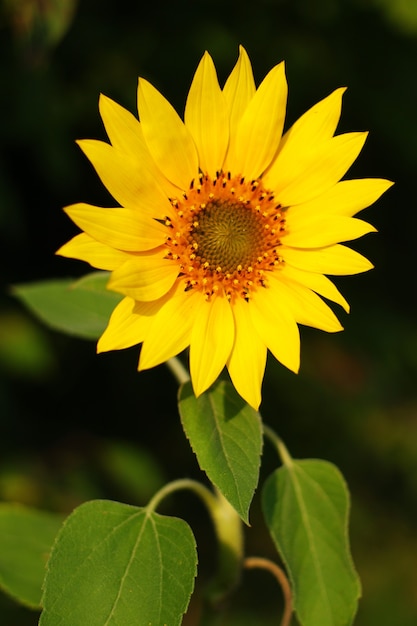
(272, 317)
(206, 117)
(125, 134)
(144, 278)
(300, 177)
(308, 308)
(239, 90)
(247, 361)
(124, 229)
(122, 128)
(317, 282)
(337, 260)
(345, 199)
(211, 342)
(316, 125)
(318, 232)
(170, 331)
(85, 248)
(166, 136)
(126, 179)
(259, 130)
(128, 324)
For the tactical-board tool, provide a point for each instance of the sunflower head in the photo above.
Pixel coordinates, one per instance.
(225, 227)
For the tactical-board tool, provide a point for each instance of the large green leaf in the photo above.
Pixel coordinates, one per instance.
(306, 507)
(26, 537)
(117, 565)
(77, 307)
(226, 435)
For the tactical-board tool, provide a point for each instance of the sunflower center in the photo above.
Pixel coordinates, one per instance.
(228, 235)
(225, 234)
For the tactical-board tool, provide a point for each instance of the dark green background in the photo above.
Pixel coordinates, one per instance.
(69, 419)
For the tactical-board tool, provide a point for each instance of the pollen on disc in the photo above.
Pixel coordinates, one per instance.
(225, 235)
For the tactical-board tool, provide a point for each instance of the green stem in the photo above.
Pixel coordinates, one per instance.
(280, 576)
(183, 483)
(278, 444)
(178, 369)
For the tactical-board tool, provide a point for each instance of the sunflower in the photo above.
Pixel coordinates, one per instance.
(226, 227)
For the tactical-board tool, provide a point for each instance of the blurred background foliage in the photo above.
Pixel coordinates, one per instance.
(76, 426)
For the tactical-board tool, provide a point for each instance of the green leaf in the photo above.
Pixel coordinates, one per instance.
(26, 537)
(226, 435)
(81, 308)
(306, 507)
(114, 564)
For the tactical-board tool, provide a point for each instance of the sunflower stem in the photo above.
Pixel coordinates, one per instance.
(178, 369)
(185, 483)
(278, 444)
(280, 576)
